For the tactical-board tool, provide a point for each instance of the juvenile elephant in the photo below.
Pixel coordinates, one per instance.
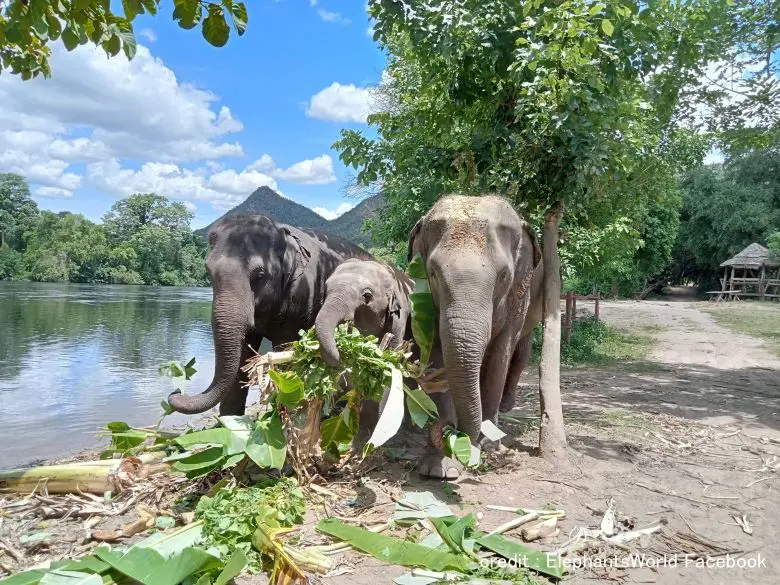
(375, 296)
(268, 281)
(485, 274)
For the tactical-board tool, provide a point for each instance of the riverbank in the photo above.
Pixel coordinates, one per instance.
(687, 434)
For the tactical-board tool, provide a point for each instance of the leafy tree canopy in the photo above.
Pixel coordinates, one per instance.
(145, 239)
(28, 26)
(17, 209)
(724, 210)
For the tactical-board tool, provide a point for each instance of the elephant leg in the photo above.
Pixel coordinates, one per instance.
(369, 416)
(234, 404)
(519, 360)
(434, 463)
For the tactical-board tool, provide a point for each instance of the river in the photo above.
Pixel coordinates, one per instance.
(74, 357)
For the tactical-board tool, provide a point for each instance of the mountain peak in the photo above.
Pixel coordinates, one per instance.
(268, 202)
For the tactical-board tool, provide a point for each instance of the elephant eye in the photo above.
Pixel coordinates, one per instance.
(367, 296)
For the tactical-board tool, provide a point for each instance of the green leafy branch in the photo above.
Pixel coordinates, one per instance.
(28, 26)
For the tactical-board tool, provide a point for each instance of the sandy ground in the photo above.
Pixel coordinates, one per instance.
(689, 436)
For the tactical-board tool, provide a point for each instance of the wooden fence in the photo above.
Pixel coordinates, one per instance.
(571, 309)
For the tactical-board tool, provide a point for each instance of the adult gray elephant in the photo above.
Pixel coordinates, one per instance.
(375, 296)
(485, 274)
(268, 281)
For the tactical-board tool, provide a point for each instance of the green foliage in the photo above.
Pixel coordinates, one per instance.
(596, 343)
(289, 388)
(589, 103)
(232, 515)
(724, 210)
(161, 559)
(421, 407)
(774, 244)
(27, 27)
(237, 437)
(537, 100)
(367, 366)
(145, 239)
(393, 550)
(10, 263)
(457, 445)
(423, 311)
(18, 211)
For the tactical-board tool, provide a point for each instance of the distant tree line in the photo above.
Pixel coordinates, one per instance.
(144, 239)
(724, 209)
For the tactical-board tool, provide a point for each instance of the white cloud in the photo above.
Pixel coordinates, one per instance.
(331, 214)
(190, 206)
(223, 189)
(334, 17)
(316, 171)
(131, 109)
(53, 192)
(135, 127)
(313, 2)
(148, 34)
(263, 164)
(240, 183)
(341, 103)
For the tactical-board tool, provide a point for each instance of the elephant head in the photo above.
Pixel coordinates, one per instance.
(480, 257)
(373, 295)
(253, 262)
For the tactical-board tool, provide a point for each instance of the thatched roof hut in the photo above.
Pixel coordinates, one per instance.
(751, 273)
(754, 256)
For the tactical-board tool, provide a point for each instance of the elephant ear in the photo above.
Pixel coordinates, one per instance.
(296, 255)
(412, 238)
(394, 306)
(534, 243)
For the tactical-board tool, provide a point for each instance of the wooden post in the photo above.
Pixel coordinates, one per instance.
(567, 323)
(598, 296)
(725, 279)
(761, 283)
(574, 307)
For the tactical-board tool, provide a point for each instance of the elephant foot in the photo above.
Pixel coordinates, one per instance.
(439, 466)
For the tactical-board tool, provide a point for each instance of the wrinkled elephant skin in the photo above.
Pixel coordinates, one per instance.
(268, 281)
(484, 270)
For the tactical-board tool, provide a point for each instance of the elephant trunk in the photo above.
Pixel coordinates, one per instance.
(335, 310)
(231, 318)
(464, 331)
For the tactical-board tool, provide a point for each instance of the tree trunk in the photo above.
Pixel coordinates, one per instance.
(552, 436)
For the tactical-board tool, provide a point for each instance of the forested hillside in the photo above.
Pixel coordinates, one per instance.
(268, 202)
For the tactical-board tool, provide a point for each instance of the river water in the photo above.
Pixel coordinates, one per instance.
(74, 357)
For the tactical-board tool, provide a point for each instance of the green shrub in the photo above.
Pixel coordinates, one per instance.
(595, 343)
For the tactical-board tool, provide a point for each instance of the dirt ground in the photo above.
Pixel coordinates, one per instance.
(681, 436)
(688, 436)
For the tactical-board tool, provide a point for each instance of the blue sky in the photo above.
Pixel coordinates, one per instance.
(199, 124)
